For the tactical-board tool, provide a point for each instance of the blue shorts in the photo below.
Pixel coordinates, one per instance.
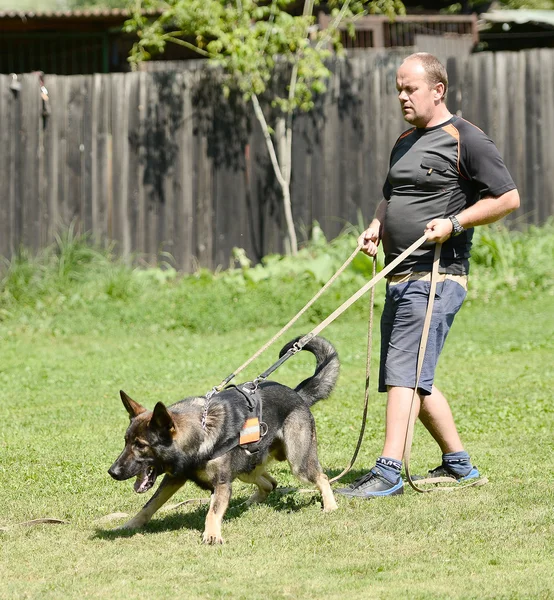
(401, 327)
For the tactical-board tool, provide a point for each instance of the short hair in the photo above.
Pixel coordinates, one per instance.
(434, 69)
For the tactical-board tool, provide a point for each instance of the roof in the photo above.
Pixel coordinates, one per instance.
(521, 17)
(68, 14)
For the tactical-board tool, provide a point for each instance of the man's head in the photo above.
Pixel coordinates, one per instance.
(421, 81)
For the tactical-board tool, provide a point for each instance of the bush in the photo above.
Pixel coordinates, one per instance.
(73, 286)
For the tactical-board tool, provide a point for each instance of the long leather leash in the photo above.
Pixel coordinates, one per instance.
(366, 390)
(413, 412)
(334, 315)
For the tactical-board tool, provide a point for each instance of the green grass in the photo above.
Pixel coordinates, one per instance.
(76, 326)
(63, 425)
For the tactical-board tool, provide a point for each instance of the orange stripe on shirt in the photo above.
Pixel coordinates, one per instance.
(450, 129)
(405, 134)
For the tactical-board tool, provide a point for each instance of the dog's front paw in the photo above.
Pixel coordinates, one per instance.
(134, 523)
(330, 504)
(212, 538)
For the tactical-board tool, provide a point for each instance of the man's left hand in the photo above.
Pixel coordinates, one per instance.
(438, 230)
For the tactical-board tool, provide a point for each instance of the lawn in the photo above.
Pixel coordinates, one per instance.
(63, 424)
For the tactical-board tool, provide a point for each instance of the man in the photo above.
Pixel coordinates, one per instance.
(446, 177)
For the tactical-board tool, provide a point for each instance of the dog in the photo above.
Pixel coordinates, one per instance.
(200, 440)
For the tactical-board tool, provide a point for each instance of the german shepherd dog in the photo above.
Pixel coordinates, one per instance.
(182, 441)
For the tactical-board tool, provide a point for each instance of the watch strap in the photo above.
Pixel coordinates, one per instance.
(456, 227)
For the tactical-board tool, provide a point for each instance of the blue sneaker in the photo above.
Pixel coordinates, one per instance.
(442, 471)
(372, 485)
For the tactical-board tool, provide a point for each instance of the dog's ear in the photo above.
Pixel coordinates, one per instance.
(133, 408)
(161, 421)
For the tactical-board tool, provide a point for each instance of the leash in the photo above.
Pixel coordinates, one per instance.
(298, 345)
(285, 328)
(367, 376)
(413, 414)
(334, 315)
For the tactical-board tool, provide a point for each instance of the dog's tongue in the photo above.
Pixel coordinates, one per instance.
(145, 480)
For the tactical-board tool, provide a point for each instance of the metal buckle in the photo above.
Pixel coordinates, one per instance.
(213, 391)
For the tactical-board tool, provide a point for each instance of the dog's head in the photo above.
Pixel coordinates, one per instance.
(148, 439)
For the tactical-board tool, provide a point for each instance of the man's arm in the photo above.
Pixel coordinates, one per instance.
(484, 211)
(372, 235)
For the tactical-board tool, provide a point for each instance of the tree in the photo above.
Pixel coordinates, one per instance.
(252, 40)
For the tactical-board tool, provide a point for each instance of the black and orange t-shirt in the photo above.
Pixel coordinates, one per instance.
(434, 173)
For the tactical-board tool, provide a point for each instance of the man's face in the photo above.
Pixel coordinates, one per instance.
(418, 100)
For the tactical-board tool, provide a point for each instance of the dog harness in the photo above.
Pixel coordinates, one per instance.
(253, 429)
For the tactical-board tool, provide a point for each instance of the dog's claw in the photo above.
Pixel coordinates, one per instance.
(212, 540)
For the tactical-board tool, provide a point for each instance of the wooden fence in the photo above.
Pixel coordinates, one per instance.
(159, 161)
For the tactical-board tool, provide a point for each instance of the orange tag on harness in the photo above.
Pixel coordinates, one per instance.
(250, 431)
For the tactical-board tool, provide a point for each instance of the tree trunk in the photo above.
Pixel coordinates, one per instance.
(284, 150)
(282, 169)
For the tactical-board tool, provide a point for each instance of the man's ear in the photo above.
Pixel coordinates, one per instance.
(161, 421)
(133, 408)
(439, 91)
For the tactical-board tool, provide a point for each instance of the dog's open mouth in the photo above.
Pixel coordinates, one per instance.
(145, 480)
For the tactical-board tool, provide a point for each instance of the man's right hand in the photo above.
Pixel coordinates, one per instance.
(369, 240)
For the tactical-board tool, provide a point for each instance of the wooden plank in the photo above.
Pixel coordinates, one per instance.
(28, 207)
(42, 183)
(60, 169)
(301, 161)
(499, 133)
(184, 226)
(8, 101)
(120, 163)
(152, 185)
(135, 157)
(231, 221)
(75, 152)
(139, 243)
(348, 150)
(267, 194)
(379, 154)
(50, 159)
(172, 115)
(204, 195)
(101, 148)
(86, 154)
(531, 147)
(518, 123)
(313, 141)
(332, 135)
(546, 167)
(470, 97)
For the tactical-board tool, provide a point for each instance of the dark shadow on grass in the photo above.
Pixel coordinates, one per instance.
(194, 519)
(348, 478)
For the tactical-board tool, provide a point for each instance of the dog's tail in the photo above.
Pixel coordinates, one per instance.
(321, 383)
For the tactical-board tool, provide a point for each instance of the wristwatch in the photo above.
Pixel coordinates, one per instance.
(456, 227)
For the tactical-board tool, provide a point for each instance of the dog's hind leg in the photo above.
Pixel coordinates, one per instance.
(301, 451)
(266, 484)
(329, 502)
(218, 505)
(261, 478)
(166, 489)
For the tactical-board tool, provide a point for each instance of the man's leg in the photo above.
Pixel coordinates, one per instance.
(384, 478)
(437, 417)
(399, 400)
(434, 412)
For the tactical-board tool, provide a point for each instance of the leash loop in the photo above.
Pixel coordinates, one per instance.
(413, 412)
